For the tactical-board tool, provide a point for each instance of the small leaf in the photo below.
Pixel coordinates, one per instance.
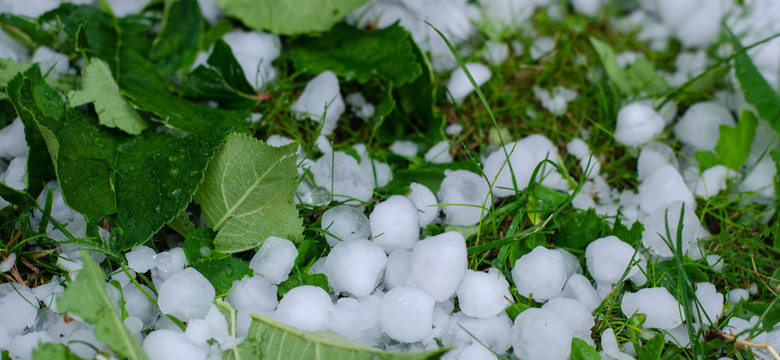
(733, 146)
(247, 194)
(289, 17)
(653, 349)
(223, 272)
(354, 54)
(221, 79)
(182, 223)
(579, 229)
(580, 350)
(300, 278)
(198, 244)
(112, 109)
(50, 351)
(758, 92)
(644, 78)
(631, 236)
(280, 341)
(87, 298)
(18, 198)
(176, 47)
(614, 71)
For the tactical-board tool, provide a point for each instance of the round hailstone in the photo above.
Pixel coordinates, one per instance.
(438, 265)
(610, 345)
(655, 238)
(464, 192)
(139, 306)
(345, 223)
(358, 319)
(711, 304)
(404, 148)
(395, 224)
(483, 294)
(21, 346)
(578, 287)
(275, 259)
(664, 186)
(652, 157)
(168, 263)
(186, 295)
(524, 156)
(173, 345)
(425, 202)
(305, 307)
(699, 128)
(342, 176)
(12, 141)
(637, 124)
(439, 153)
(477, 352)
(321, 96)
(18, 308)
(406, 314)
(576, 314)
(662, 309)
(607, 259)
(355, 267)
(540, 334)
(253, 293)
(495, 332)
(540, 274)
(255, 51)
(712, 181)
(459, 85)
(399, 263)
(587, 7)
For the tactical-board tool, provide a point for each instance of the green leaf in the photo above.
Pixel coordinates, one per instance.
(653, 349)
(631, 236)
(733, 146)
(181, 223)
(18, 198)
(580, 350)
(156, 177)
(176, 47)
(221, 79)
(247, 194)
(51, 351)
(708, 80)
(769, 313)
(290, 17)
(579, 229)
(246, 350)
(25, 31)
(280, 341)
(223, 272)
(644, 78)
(757, 90)
(87, 298)
(9, 69)
(354, 54)
(614, 71)
(112, 109)
(198, 244)
(300, 278)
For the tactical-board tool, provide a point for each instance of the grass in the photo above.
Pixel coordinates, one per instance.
(518, 223)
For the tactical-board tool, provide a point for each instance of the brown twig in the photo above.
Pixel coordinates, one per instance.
(750, 344)
(760, 276)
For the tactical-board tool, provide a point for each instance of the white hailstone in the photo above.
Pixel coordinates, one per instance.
(540, 274)
(760, 178)
(254, 293)
(46, 293)
(139, 306)
(439, 153)
(610, 345)
(12, 141)
(21, 346)
(168, 263)
(578, 148)
(483, 294)
(712, 181)
(173, 345)
(524, 156)
(637, 124)
(399, 263)
(218, 326)
(18, 308)
(27, 9)
(275, 259)
(652, 157)
(608, 258)
(540, 334)
(571, 262)
(345, 223)
(198, 332)
(50, 59)
(355, 267)
(438, 264)
(507, 13)
(406, 314)
(737, 295)
(395, 224)
(378, 173)
(15, 174)
(362, 108)
(655, 237)
(464, 194)
(342, 175)
(255, 51)
(541, 47)
(425, 202)
(662, 187)
(587, 7)
(358, 319)
(574, 312)
(715, 262)
(477, 352)
(122, 8)
(404, 148)
(579, 288)
(699, 127)
(662, 309)
(305, 307)
(495, 332)
(556, 103)
(496, 52)
(701, 27)
(210, 10)
(321, 101)
(186, 295)
(7, 264)
(709, 306)
(453, 129)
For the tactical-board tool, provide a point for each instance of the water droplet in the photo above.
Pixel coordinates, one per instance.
(174, 193)
(157, 209)
(174, 172)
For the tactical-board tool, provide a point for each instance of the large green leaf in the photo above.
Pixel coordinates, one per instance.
(18, 198)
(87, 298)
(156, 177)
(290, 17)
(733, 146)
(614, 71)
(222, 272)
(9, 69)
(653, 349)
(247, 194)
(176, 47)
(221, 79)
(112, 109)
(354, 54)
(279, 341)
(757, 90)
(50, 351)
(580, 350)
